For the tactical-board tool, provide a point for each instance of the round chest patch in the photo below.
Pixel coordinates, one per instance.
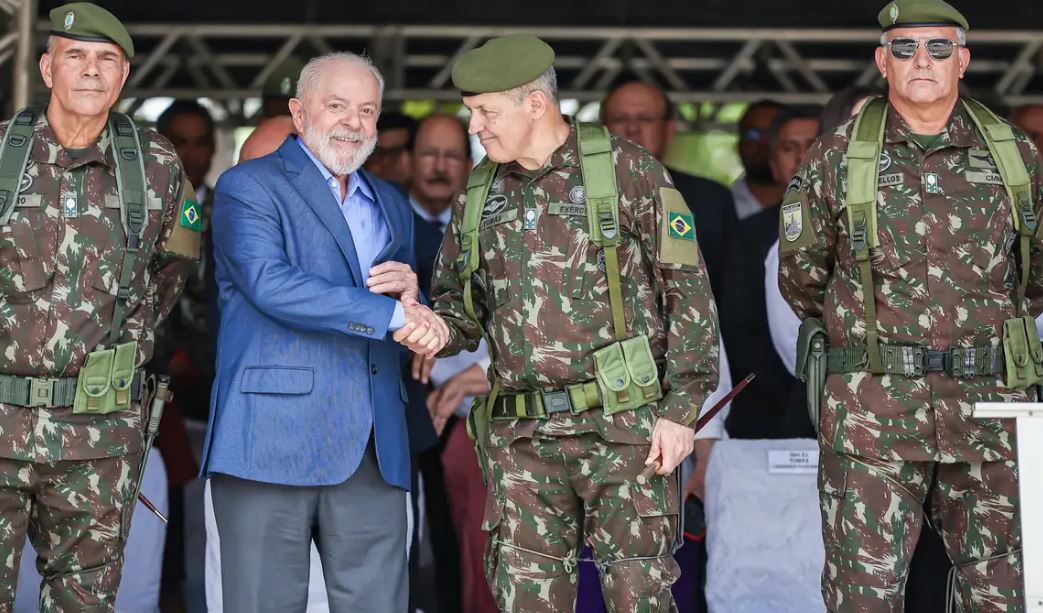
(578, 195)
(885, 161)
(494, 204)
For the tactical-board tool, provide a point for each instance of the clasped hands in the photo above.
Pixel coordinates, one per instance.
(424, 332)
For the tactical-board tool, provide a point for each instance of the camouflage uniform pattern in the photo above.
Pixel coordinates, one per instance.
(60, 260)
(873, 513)
(543, 298)
(944, 275)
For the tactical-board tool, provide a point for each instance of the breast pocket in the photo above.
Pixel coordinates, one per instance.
(105, 253)
(27, 250)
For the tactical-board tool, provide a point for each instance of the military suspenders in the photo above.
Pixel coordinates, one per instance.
(863, 166)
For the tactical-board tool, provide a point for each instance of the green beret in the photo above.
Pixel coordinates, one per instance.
(920, 13)
(91, 23)
(282, 82)
(502, 63)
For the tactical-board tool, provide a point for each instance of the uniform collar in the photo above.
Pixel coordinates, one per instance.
(959, 131)
(565, 156)
(47, 149)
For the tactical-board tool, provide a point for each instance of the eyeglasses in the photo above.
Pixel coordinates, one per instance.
(905, 48)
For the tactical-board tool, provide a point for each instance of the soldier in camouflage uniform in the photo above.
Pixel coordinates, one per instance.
(542, 295)
(900, 443)
(67, 478)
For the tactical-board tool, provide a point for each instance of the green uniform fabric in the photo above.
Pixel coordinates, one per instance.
(944, 275)
(873, 512)
(61, 255)
(914, 13)
(542, 295)
(502, 63)
(926, 141)
(89, 22)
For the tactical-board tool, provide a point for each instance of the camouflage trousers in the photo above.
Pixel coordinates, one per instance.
(76, 515)
(547, 494)
(872, 514)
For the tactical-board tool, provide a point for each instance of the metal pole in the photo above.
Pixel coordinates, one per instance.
(22, 68)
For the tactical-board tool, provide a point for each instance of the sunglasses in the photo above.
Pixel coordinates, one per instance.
(905, 48)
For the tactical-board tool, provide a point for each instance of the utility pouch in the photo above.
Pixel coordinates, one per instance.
(812, 345)
(1023, 352)
(105, 382)
(94, 393)
(123, 373)
(627, 375)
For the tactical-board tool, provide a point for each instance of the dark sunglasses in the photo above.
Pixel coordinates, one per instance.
(905, 48)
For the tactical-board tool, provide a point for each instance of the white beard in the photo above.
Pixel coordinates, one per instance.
(337, 162)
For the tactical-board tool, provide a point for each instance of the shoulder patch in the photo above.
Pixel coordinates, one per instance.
(677, 242)
(795, 228)
(185, 235)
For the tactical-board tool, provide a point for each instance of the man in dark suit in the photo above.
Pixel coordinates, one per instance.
(307, 431)
(772, 405)
(643, 113)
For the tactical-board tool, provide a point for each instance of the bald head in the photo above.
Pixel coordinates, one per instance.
(640, 112)
(266, 138)
(1030, 119)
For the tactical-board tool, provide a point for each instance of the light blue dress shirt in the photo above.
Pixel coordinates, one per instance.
(366, 221)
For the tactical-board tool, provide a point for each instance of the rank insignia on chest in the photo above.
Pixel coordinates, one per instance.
(792, 221)
(932, 183)
(681, 226)
(190, 217)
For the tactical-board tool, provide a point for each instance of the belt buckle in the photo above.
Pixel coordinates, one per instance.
(936, 361)
(41, 392)
(556, 402)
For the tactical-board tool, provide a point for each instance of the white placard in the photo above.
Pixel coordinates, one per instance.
(792, 461)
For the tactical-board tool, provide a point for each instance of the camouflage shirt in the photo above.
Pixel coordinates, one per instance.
(61, 256)
(543, 295)
(944, 275)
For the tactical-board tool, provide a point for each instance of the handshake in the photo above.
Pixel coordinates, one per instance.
(424, 332)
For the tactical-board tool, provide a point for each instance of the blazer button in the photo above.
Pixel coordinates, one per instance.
(373, 369)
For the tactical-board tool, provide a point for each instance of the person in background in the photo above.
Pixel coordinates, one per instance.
(391, 159)
(757, 189)
(278, 88)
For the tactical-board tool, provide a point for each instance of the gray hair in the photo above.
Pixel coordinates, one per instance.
(312, 71)
(546, 83)
(961, 37)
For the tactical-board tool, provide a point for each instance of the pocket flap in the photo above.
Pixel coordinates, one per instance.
(639, 361)
(611, 369)
(96, 374)
(277, 380)
(123, 365)
(658, 496)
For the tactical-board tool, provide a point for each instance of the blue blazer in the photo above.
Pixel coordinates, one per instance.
(306, 368)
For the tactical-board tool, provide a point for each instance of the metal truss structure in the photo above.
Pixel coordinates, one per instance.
(227, 62)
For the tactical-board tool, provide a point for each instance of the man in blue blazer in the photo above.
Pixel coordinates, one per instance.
(307, 437)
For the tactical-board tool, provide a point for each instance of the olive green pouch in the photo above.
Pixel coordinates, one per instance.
(812, 343)
(94, 393)
(105, 381)
(1022, 352)
(643, 372)
(123, 374)
(626, 375)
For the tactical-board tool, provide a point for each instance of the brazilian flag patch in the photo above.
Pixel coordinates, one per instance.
(190, 217)
(681, 226)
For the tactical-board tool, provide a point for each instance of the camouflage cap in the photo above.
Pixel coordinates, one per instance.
(920, 13)
(502, 63)
(282, 82)
(91, 23)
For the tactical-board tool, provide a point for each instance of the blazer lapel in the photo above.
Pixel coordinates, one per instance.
(390, 220)
(308, 182)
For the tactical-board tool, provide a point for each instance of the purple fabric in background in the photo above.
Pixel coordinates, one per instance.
(688, 591)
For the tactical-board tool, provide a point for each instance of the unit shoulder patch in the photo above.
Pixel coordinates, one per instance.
(677, 241)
